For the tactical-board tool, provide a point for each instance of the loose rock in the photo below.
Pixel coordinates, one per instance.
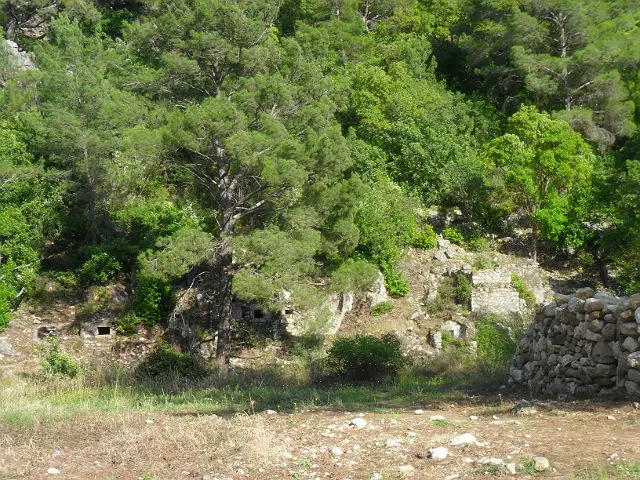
(464, 439)
(540, 464)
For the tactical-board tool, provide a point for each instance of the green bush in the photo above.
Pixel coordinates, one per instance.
(478, 244)
(166, 360)
(57, 363)
(496, 344)
(463, 290)
(523, 291)
(453, 235)
(365, 357)
(127, 324)
(394, 281)
(381, 308)
(485, 263)
(99, 269)
(425, 238)
(153, 300)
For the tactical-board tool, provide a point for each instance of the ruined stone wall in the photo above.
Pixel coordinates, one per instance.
(583, 344)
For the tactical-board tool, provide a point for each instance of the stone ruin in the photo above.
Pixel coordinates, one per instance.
(582, 345)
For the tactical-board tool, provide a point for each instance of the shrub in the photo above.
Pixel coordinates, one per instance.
(485, 263)
(127, 324)
(381, 308)
(99, 269)
(478, 244)
(463, 290)
(425, 238)
(394, 281)
(453, 235)
(496, 345)
(166, 360)
(57, 363)
(153, 300)
(365, 357)
(523, 291)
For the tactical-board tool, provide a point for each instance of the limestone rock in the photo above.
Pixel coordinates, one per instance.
(439, 453)
(541, 464)
(358, 422)
(6, 349)
(464, 439)
(593, 304)
(586, 292)
(630, 344)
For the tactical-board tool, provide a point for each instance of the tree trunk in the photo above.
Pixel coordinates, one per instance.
(223, 284)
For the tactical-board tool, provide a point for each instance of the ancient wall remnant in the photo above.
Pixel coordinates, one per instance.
(582, 344)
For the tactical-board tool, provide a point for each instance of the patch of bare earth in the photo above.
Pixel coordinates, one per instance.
(319, 444)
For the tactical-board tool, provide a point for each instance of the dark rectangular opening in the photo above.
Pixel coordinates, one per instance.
(104, 330)
(258, 314)
(288, 312)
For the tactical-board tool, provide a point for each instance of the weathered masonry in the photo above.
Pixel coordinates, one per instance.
(584, 344)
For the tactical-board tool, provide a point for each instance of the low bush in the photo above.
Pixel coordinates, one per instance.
(463, 290)
(394, 282)
(425, 238)
(365, 357)
(55, 362)
(523, 291)
(453, 235)
(381, 308)
(127, 324)
(496, 343)
(166, 360)
(99, 269)
(478, 244)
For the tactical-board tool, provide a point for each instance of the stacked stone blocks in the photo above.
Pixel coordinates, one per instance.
(582, 345)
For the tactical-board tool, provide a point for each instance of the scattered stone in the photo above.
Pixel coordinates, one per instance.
(464, 439)
(376, 476)
(523, 407)
(510, 468)
(610, 417)
(392, 443)
(270, 412)
(6, 348)
(337, 451)
(435, 418)
(419, 315)
(419, 412)
(439, 453)
(53, 471)
(148, 421)
(540, 464)
(407, 470)
(358, 422)
(474, 418)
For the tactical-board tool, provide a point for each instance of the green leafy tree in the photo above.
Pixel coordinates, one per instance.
(540, 164)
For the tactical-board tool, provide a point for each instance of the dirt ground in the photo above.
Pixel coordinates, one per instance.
(574, 437)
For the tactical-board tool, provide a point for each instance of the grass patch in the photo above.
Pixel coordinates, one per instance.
(623, 470)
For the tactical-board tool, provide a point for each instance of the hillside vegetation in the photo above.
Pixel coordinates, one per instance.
(262, 148)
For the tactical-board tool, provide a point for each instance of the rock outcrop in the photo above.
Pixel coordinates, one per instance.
(583, 344)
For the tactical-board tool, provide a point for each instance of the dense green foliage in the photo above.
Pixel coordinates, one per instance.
(294, 148)
(365, 357)
(56, 362)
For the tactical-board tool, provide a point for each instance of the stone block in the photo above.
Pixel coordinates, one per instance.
(601, 353)
(585, 292)
(609, 332)
(593, 304)
(634, 375)
(630, 344)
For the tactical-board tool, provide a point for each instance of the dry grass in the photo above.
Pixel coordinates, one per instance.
(111, 442)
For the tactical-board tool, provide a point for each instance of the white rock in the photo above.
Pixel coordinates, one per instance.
(510, 468)
(392, 443)
(490, 461)
(474, 418)
(435, 418)
(464, 439)
(337, 451)
(408, 470)
(419, 412)
(452, 477)
(53, 471)
(540, 464)
(148, 421)
(439, 453)
(270, 412)
(610, 417)
(358, 422)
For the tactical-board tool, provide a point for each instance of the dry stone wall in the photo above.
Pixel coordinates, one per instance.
(582, 345)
